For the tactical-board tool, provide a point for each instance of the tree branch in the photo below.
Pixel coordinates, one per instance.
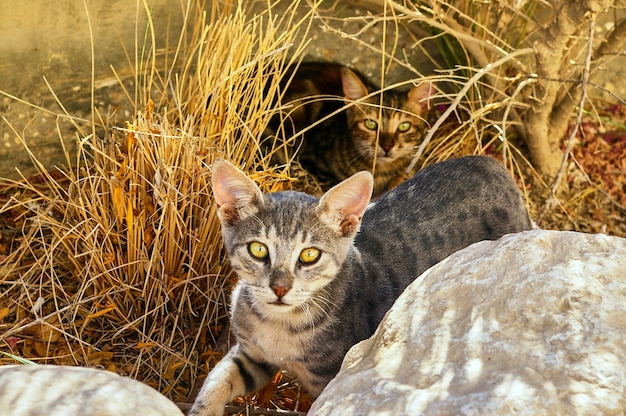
(579, 116)
(544, 143)
(479, 74)
(610, 47)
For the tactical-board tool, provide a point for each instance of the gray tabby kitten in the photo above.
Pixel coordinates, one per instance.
(316, 275)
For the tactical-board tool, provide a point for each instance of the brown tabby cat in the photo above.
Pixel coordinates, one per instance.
(365, 135)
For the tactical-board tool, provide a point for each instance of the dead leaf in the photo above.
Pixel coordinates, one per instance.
(4, 312)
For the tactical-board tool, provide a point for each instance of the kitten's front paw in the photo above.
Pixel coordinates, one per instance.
(206, 409)
(212, 398)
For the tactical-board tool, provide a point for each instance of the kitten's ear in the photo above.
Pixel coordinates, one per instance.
(353, 87)
(236, 195)
(342, 207)
(420, 97)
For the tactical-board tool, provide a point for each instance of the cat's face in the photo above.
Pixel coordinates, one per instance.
(287, 247)
(386, 135)
(284, 254)
(389, 132)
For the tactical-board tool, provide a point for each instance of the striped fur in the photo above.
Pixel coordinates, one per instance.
(303, 317)
(371, 135)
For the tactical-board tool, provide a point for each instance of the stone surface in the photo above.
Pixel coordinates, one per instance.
(52, 390)
(533, 324)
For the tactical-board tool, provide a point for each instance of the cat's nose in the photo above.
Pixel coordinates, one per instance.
(280, 291)
(280, 281)
(386, 144)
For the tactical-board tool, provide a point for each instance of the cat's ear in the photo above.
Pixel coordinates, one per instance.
(419, 97)
(342, 207)
(236, 195)
(353, 87)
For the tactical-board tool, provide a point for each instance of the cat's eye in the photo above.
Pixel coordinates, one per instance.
(310, 255)
(404, 126)
(258, 250)
(370, 124)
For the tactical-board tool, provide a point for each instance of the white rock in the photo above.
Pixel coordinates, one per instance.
(76, 391)
(534, 323)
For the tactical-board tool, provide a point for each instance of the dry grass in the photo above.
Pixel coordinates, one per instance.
(120, 263)
(117, 262)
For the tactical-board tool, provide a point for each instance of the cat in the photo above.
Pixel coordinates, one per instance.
(316, 275)
(362, 136)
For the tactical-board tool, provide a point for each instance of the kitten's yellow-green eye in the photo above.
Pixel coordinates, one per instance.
(370, 124)
(404, 126)
(258, 250)
(310, 255)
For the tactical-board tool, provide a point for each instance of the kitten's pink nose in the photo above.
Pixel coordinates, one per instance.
(280, 291)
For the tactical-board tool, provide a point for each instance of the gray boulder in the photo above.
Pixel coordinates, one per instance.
(534, 323)
(51, 390)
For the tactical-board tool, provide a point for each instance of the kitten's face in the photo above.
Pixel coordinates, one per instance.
(389, 132)
(284, 254)
(287, 247)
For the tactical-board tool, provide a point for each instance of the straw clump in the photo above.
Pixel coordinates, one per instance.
(119, 263)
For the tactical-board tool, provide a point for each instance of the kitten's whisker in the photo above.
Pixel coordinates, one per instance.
(323, 301)
(261, 224)
(306, 308)
(354, 156)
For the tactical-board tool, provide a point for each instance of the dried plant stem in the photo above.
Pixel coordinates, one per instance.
(248, 410)
(233, 410)
(609, 49)
(417, 16)
(119, 262)
(574, 129)
(459, 96)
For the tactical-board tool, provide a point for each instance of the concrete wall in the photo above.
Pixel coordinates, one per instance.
(51, 39)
